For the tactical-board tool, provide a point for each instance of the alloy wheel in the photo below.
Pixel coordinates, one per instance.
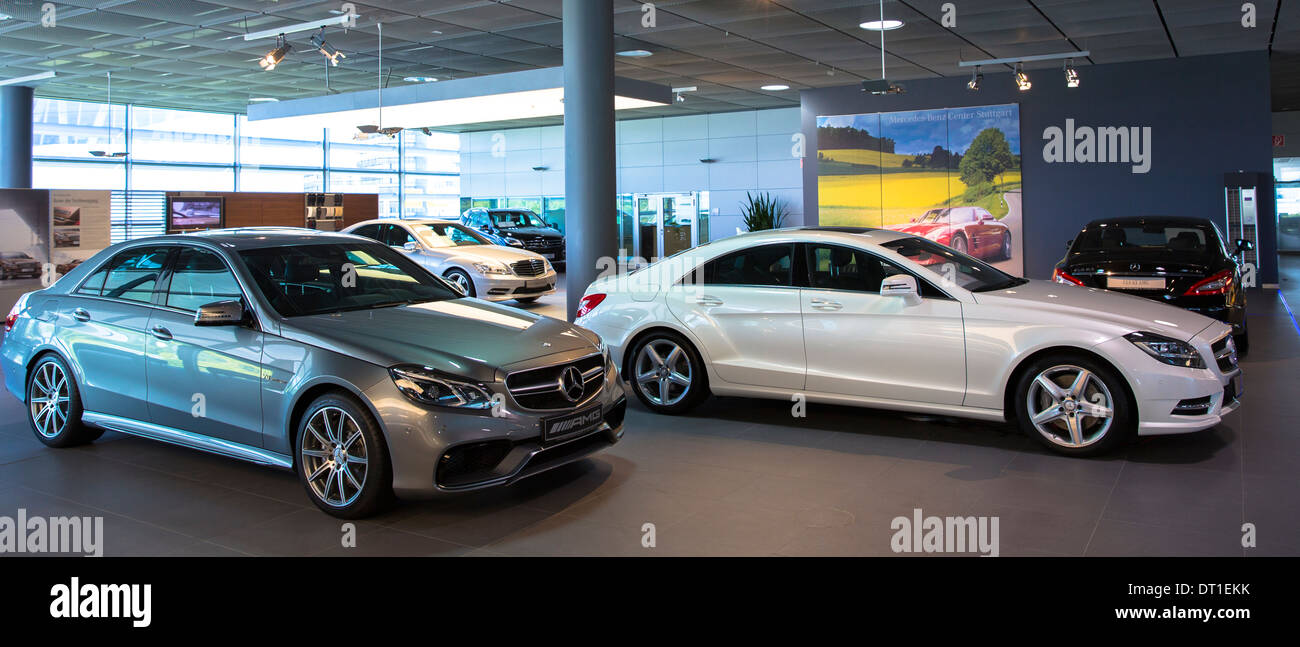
(1070, 406)
(334, 457)
(460, 280)
(50, 400)
(663, 372)
(959, 244)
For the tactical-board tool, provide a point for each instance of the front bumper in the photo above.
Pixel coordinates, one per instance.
(1173, 399)
(503, 288)
(424, 441)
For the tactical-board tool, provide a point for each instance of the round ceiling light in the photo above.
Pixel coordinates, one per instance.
(263, 99)
(635, 53)
(419, 79)
(775, 87)
(881, 25)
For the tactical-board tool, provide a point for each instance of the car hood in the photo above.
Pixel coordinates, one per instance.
(459, 336)
(530, 232)
(19, 261)
(485, 253)
(920, 228)
(1122, 313)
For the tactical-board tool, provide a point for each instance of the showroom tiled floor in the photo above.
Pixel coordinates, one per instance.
(739, 477)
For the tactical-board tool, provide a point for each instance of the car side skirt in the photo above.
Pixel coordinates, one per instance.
(187, 439)
(727, 389)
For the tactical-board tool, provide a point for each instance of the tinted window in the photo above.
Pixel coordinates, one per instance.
(397, 236)
(948, 266)
(200, 277)
(766, 265)
(1156, 237)
(95, 284)
(333, 277)
(369, 231)
(134, 274)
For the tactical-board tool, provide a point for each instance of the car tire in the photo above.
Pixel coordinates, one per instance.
(526, 300)
(1243, 342)
(58, 424)
(1005, 253)
(1069, 402)
(959, 243)
(459, 277)
(675, 353)
(327, 458)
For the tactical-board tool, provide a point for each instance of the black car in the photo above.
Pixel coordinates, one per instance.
(523, 226)
(18, 264)
(1179, 261)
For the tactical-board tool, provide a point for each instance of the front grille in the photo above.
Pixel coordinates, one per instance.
(531, 267)
(471, 463)
(542, 243)
(541, 388)
(1225, 354)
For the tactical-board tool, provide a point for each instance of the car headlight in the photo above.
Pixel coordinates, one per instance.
(490, 268)
(514, 242)
(1166, 350)
(427, 386)
(547, 265)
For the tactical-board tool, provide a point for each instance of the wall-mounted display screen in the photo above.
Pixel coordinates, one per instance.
(194, 212)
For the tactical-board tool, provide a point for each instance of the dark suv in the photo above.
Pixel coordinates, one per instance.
(523, 226)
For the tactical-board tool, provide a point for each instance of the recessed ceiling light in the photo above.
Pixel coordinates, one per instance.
(419, 79)
(775, 87)
(635, 53)
(881, 25)
(263, 99)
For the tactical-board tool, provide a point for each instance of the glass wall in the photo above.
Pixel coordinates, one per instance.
(415, 174)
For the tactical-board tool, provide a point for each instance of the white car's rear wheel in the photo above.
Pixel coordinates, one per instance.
(1074, 405)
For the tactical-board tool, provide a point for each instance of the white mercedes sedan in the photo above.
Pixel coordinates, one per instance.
(883, 319)
(476, 265)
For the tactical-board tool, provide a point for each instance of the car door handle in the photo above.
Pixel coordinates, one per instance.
(160, 333)
(826, 304)
(706, 300)
(80, 314)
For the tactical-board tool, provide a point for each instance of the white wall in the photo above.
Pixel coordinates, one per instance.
(753, 152)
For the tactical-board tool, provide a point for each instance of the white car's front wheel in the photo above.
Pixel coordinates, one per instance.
(1074, 405)
(667, 373)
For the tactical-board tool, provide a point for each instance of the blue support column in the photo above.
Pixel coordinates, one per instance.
(589, 180)
(15, 137)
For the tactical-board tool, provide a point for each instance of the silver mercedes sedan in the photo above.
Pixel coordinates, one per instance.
(328, 354)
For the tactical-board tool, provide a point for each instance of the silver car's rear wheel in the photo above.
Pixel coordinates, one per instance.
(334, 457)
(50, 400)
(663, 372)
(1070, 406)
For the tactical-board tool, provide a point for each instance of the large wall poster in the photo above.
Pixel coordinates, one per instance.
(81, 226)
(951, 175)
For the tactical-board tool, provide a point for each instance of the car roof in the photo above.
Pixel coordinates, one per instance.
(239, 238)
(1154, 220)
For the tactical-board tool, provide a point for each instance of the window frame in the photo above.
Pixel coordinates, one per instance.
(169, 272)
(113, 261)
(921, 282)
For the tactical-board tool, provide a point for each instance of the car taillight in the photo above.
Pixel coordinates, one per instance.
(1064, 277)
(12, 318)
(1218, 284)
(589, 303)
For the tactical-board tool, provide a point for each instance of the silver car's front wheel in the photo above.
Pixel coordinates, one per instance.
(50, 400)
(1074, 404)
(334, 457)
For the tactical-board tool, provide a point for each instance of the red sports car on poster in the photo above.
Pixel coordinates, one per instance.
(972, 230)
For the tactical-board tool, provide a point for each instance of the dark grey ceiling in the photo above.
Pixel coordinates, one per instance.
(191, 54)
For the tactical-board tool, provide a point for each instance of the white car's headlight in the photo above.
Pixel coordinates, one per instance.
(491, 268)
(1166, 350)
(427, 386)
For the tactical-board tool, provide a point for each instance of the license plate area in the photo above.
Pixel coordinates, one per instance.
(1135, 283)
(572, 425)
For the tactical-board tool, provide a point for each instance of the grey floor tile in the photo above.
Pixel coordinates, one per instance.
(1125, 539)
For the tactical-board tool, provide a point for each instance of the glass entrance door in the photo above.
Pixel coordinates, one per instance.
(666, 223)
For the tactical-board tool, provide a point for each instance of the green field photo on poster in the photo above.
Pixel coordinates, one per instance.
(952, 175)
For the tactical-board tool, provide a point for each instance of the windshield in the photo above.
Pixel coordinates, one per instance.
(445, 234)
(951, 267)
(1156, 237)
(335, 277)
(934, 215)
(15, 255)
(516, 219)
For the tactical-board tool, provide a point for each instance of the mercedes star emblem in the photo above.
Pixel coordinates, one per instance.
(571, 384)
(1135, 267)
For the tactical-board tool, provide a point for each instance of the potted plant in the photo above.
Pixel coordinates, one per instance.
(763, 212)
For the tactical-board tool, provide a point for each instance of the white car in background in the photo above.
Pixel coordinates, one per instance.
(465, 257)
(878, 318)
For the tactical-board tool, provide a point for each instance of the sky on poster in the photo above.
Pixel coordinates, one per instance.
(919, 131)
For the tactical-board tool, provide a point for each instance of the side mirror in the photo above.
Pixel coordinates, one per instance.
(901, 285)
(220, 313)
(1069, 244)
(410, 246)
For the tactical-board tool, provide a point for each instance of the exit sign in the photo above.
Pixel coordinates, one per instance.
(1279, 141)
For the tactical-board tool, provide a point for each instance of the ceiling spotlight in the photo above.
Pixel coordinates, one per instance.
(881, 25)
(635, 53)
(775, 87)
(327, 50)
(262, 100)
(1022, 81)
(276, 55)
(976, 78)
(1071, 75)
